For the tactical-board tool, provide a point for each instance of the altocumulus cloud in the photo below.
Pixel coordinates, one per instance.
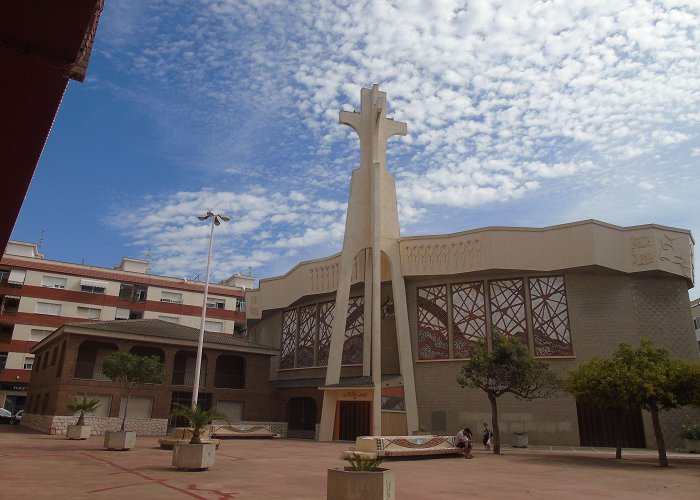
(178, 242)
(504, 99)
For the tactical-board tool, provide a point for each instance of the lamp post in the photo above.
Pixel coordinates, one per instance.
(215, 221)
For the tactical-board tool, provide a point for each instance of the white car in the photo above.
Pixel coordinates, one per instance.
(5, 416)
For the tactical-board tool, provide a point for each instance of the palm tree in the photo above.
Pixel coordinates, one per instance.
(82, 405)
(198, 418)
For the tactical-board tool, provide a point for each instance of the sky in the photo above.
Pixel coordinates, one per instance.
(519, 113)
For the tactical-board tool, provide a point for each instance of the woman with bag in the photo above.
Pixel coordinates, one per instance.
(488, 434)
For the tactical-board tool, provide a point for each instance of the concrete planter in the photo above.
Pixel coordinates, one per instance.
(194, 456)
(120, 440)
(344, 483)
(692, 445)
(520, 441)
(78, 431)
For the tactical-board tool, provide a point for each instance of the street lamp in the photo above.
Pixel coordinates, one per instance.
(215, 221)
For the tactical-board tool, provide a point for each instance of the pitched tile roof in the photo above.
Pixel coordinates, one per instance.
(157, 328)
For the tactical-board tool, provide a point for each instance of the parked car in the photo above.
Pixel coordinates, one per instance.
(18, 417)
(5, 416)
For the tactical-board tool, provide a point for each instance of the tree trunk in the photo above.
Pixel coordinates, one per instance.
(618, 433)
(660, 445)
(496, 440)
(126, 408)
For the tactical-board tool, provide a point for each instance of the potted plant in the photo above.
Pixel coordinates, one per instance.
(81, 405)
(198, 454)
(129, 370)
(363, 479)
(520, 440)
(691, 434)
(422, 431)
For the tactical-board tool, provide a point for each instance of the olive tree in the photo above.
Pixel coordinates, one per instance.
(132, 370)
(508, 368)
(644, 377)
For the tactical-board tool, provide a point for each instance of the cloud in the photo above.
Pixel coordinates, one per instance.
(505, 101)
(178, 241)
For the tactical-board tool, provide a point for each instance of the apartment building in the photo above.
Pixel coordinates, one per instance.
(37, 296)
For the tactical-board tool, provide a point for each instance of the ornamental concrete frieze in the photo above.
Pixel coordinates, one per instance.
(425, 257)
(452, 319)
(674, 251)
(324, 277)
(306, 334)
(668, 248)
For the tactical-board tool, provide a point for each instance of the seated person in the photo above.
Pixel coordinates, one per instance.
(464, 441)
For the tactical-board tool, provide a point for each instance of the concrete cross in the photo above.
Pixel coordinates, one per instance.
(372, 126)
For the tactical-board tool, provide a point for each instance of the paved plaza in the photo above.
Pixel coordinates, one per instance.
(34, 465)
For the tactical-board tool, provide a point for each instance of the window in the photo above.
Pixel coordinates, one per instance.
(169, 319)
(240, 305)
(17, 277)
(36, 335)
(4, 274)
(9, 306)
(232, 409)
(44, 361)
(3, 360)
(89, 312)
(54, 354)
(213, 326)
(105, 405)
(37, 365)
(139, 407)
(239, 328)
(133, 293)
(53, 282)
(6, 333)
(90, 357)
(121, 313)
(172, 297)
(216, 303)
(128, 314)
(48, 308)
(92, 286)
(696, 321)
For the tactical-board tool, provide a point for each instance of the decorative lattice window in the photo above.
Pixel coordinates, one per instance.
(307, 332)
(289, 331)
(550, 316)
(325, 328)
(432, 323)
(468, 317)
(508, 308)
(354, 331)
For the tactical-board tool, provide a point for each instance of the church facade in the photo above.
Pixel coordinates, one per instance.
(386, 361)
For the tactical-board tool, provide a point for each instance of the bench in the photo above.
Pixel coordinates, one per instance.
(403, 446)
(233, 431)
(183, 435)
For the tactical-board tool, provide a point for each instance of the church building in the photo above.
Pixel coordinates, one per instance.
(372, 339)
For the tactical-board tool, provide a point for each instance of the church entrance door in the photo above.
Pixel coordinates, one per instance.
(354, 419)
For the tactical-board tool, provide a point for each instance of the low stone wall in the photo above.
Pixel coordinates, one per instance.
(57, 424)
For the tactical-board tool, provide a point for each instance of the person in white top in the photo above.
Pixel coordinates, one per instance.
(464, 441)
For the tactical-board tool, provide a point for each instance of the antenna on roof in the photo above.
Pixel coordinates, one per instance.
(147, 253)
(41, 239)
